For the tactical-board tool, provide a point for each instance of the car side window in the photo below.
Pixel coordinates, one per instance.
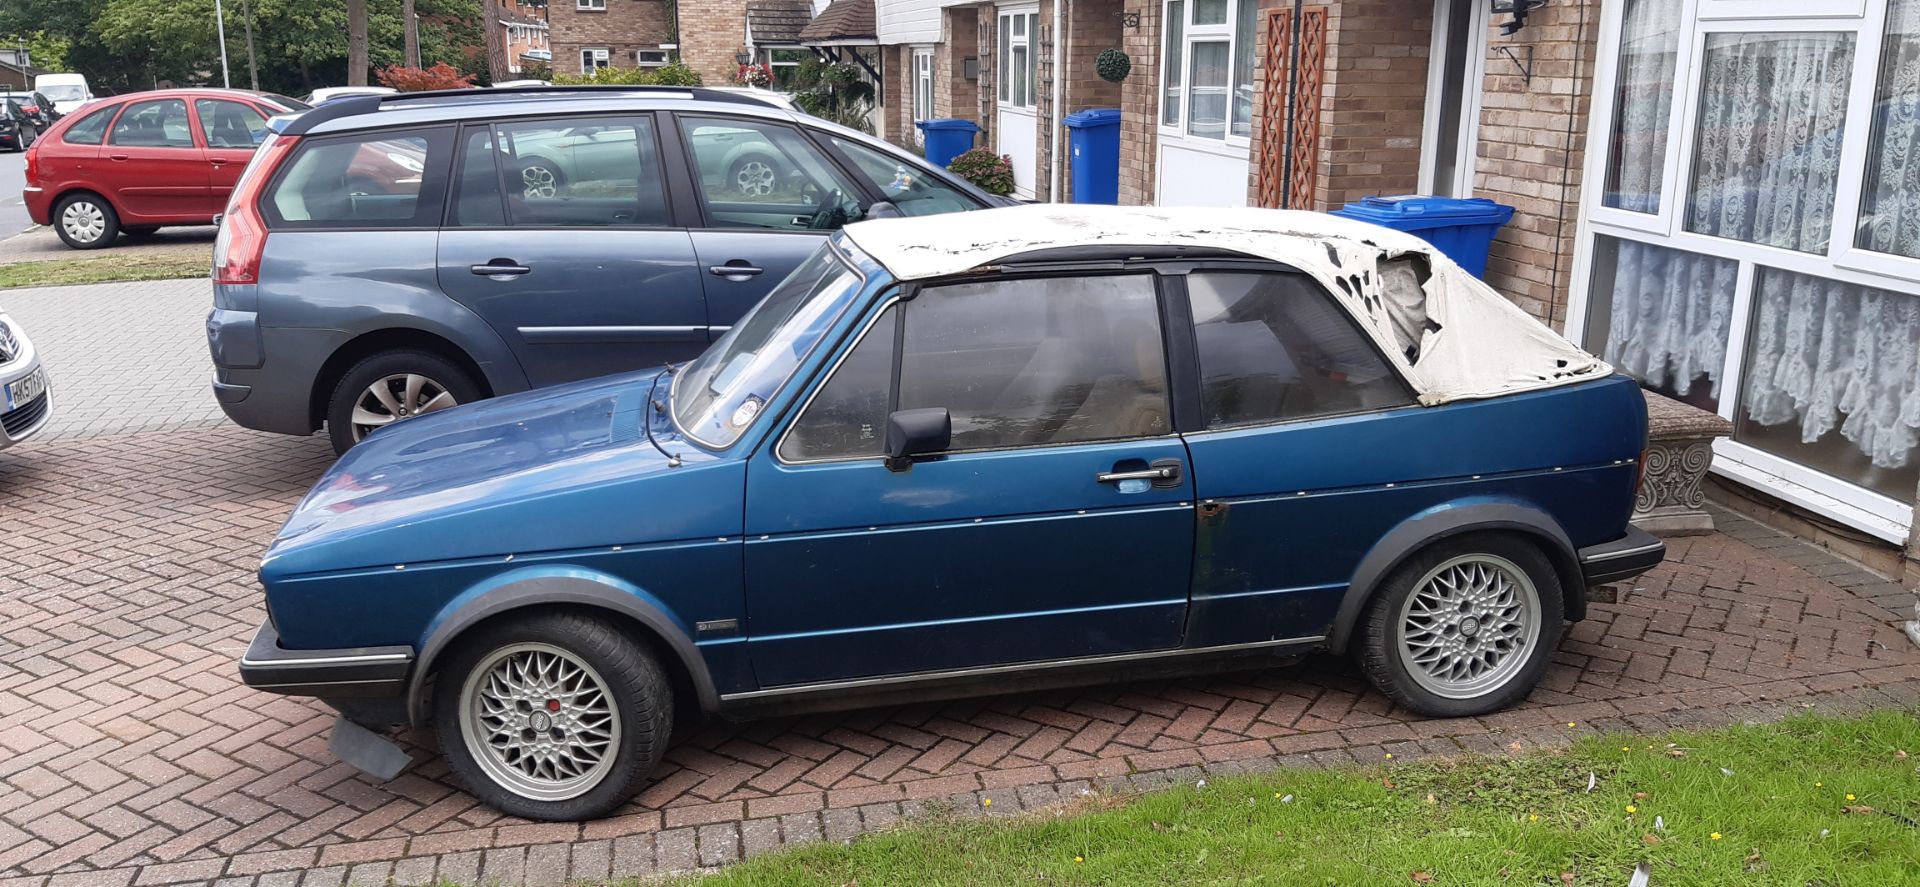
(227, 124)
(1273, 347)
(912, 189)
(476, 186)
(156, 123)
(379, 179)
(89, 130)
(1037, 361)
(587, 172)
(755, 174)
(847, 417)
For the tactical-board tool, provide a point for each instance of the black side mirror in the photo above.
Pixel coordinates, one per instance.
(883, 210)
(913, 433)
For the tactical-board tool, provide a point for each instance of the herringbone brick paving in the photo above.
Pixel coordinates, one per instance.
(130, 753)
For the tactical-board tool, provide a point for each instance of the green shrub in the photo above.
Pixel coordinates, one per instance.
(675, 74)
(992, 173)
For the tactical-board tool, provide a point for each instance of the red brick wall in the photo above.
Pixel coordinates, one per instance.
(711, 33)
(624, 26)
(1532, 149)
(953, 94)
(1373, 101)
(1140, 103)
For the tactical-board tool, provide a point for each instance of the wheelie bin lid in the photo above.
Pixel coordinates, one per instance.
(1093, 117)
(1408, 211)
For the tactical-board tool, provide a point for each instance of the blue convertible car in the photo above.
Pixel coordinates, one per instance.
(993, 450)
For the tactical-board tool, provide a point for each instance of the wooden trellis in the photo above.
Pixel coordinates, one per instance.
(1290, 108)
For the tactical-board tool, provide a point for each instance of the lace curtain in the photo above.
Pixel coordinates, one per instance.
(1767, 155)
(1826, 354)
(1890, 206)
(1671, 312)
(1649, 39)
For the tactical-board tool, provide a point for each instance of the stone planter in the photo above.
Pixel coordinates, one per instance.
(1679, 450)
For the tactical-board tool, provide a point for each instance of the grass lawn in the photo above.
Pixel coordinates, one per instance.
(104, 269)
(1812, 801)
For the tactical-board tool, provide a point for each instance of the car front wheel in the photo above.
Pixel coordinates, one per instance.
(560, 716)
(1465, 627)
(390, 387)
(84, 221)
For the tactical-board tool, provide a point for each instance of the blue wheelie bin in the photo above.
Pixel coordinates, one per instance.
(1093, 137)
(946, 138)
(1461, 227)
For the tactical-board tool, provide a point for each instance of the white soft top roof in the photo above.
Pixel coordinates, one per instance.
(1451, 335)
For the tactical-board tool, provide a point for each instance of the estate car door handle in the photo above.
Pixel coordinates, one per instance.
(500, 268)
(1166, 472)
(732, 271)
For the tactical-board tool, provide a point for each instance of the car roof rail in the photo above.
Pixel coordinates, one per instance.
(354, 106)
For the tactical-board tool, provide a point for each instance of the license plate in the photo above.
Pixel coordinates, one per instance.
(23, 391)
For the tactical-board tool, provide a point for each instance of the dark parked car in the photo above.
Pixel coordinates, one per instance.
(393, 255)
(35, 104)
(18, 128)
(945, 455)
(137, 163)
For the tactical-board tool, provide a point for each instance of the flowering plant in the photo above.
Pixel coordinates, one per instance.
(757, 75)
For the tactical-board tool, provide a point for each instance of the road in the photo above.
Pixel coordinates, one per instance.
(13, 213)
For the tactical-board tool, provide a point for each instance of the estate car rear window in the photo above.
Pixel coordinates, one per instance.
(367, 180)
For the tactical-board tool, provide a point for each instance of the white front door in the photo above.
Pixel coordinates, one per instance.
(1206, 102)
(1457, 62)
(1017, 129)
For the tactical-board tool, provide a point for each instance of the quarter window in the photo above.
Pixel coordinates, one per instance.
(373, 180)
(91, 129)
(160, 123)
(1274, 348)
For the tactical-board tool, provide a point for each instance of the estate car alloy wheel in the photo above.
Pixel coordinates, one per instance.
(1464, 627)
(390, 387)
(554, 714)
(84, 221)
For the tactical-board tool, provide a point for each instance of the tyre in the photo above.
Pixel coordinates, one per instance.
(753, 176)
(391, 386)
(558, 716)
(1464, 627)
(540, 178)
(85, 221)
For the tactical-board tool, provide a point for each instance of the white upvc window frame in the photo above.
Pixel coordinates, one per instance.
(590, 5)
(1885, 517)
(1467, 152)
(1005, 36)
(640, 61)
(920, 70)
(1180, 130)
(595, 58)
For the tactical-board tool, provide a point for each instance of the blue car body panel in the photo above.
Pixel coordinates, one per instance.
(773, 575)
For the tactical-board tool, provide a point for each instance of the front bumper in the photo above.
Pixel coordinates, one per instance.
(354, 672)
(1623, 558)
(24, 420)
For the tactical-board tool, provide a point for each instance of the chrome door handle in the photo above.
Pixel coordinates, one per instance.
(734, 270)
(1166, 473)
(502, 270)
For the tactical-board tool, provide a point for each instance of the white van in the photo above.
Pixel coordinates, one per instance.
(67, 91)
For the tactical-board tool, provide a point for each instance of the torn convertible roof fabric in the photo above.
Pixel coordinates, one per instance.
(1450, 334)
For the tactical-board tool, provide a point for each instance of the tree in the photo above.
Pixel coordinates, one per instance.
(496, 41)
(410, 27)
(356, 42)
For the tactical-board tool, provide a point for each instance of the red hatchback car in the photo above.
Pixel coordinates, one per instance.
(139, 162)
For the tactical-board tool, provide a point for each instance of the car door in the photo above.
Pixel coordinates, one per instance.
(1058, 525)
(153, 164)
(231, 130)
(561, 236)
(1303, 458)
(767, 194)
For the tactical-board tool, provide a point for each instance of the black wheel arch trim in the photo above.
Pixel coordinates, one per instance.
(1422, 530)
(550, 591)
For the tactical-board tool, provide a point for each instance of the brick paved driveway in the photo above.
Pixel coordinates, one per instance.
(123, 356)
(129, 753)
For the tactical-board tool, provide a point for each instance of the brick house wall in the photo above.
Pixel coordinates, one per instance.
(621, 28)
(1091, 28)
(711, 34)
(895, 117)
(953, 94)
(986, 46)
(1140, 103)
(1532, 148)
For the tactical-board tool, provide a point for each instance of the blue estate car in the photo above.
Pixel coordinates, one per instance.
(1016, 447)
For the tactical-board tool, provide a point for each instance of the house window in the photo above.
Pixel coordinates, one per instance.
(649, 58)
(1019, 63)
(1755, 249)
(592, 59)
(922, 90)
(784, 63)
(1207, 68)
(590, 5)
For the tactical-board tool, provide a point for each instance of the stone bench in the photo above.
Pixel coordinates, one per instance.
(1679, 452)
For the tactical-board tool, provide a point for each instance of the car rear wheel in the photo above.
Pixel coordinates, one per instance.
(85, 221)
(390, 387)
(560, 716)
(540, 179)
(1465, 627)
(753, 176)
